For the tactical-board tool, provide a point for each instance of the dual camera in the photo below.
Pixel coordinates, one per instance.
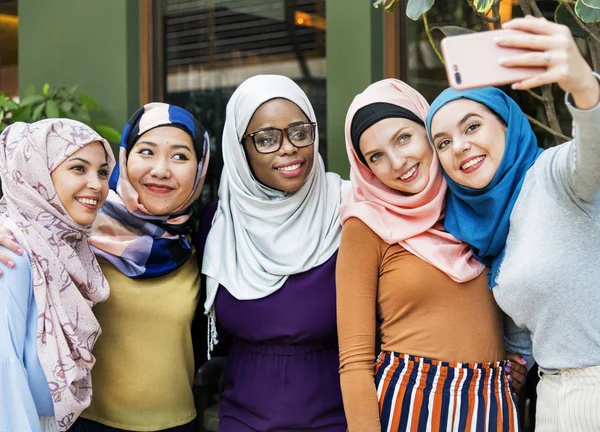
(456, 75)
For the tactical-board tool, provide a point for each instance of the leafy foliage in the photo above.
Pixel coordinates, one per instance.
(60, 102)
(416, 8)
(587, 10)
(7, 105)
(483, 5)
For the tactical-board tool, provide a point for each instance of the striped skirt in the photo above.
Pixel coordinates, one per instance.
(423, 395)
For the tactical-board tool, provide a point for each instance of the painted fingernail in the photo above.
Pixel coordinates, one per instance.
(502, 60)
(523, 360)
(498, 39)
(508, 363)
(515, 86)
(507, 369)
(20, 251)
(509, 378)
(10, 263)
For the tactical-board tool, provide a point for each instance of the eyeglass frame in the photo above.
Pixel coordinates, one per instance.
(253, 133)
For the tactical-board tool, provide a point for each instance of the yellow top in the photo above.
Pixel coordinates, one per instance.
(144, 371)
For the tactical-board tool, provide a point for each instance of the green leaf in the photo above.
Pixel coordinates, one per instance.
(587, 14)
(37, 112)
(483, 6)
(416, 8)
(89, 102)
(52, 109)
(45, 89)
(22, 114)
(453, 30)
(31, 100)
(8, 104)
(594, 4)
(66, 106)
(111, 135)
(562, 16)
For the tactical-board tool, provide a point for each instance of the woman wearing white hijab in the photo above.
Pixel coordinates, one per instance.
(269, 262)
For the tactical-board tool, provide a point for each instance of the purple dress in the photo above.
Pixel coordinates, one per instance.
(282, 370)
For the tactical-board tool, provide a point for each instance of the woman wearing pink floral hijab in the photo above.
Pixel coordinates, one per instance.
(54, 177)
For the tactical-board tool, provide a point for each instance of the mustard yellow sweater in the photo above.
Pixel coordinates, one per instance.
(144, 370)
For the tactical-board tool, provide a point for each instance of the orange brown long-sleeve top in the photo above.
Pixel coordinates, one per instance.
(419, 311)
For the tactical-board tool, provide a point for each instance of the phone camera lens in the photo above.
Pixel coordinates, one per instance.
(457, 78)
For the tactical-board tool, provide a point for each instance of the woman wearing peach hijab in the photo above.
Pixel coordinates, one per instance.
(441, 365)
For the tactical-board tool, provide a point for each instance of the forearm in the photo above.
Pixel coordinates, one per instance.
(360, 400)
(585, 154)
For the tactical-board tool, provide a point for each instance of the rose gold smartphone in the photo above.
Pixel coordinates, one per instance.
(472, 61)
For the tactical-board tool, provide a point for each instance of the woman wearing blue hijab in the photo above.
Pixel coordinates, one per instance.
(534, 216)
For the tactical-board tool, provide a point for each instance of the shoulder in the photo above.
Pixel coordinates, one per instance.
(355, 226)
(355, 231)
(15, 282)
(22, 267)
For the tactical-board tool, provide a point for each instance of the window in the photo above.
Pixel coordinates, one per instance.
(211, 46)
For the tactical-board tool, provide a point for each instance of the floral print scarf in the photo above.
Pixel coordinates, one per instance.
(67, 280)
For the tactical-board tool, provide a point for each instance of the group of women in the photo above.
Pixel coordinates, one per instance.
(456, 241)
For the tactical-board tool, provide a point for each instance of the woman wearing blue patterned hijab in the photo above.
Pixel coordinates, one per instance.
(153, 240)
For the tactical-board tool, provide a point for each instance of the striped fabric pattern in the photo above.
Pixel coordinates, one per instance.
(422, 395)
(569, 401)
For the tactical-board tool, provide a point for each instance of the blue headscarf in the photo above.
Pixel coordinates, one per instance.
(142, 245)
(480, 217)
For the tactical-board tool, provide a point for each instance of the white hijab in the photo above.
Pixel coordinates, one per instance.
(260, 236)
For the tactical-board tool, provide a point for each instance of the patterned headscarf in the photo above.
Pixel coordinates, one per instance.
(140, 244)
(67, 280)
(413, 221)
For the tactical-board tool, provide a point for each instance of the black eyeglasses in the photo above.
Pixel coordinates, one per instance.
(269, 140)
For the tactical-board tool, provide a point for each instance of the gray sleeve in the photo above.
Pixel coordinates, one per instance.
(580, 172)
(518, 340)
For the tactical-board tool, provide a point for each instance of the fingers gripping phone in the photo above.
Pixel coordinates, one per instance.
(472, 61)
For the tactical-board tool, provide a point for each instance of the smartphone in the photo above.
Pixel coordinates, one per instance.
(472, 60)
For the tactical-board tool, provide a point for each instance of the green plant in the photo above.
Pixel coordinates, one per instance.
(7, 106)
(581, 16)
(61, 102)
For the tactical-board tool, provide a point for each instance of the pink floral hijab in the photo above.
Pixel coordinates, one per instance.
(67, 280)
(413, 221)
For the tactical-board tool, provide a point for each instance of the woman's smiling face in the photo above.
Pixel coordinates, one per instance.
(286, 169)
(162, 167)
(398, 152)
(470, 142)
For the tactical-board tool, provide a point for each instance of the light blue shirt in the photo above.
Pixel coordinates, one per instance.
(24, 392)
